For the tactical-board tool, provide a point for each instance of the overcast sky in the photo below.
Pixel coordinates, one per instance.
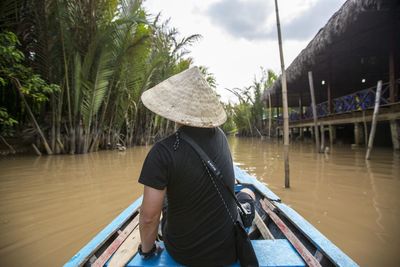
(239, 36)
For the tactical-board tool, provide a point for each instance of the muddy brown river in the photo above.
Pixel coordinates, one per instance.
(51, 206)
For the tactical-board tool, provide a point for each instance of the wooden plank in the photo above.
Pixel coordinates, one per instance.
(127, 250)
(106, 255)
(266, 234)
(301, 249)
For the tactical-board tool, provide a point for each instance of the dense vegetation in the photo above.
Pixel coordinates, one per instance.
(72, 72)
(248, 116)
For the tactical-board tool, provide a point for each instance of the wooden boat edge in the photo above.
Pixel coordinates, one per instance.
(85, 253)
(316, 237)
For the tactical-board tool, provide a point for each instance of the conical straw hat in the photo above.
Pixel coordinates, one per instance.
(186, 98)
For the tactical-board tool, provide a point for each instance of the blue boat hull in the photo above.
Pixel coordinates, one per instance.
(293, 241)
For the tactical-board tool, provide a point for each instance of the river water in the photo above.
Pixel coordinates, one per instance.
(51, 206)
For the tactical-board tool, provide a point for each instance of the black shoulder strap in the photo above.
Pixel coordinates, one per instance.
(209, 164)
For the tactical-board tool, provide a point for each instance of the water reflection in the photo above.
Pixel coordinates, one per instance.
(51, 206)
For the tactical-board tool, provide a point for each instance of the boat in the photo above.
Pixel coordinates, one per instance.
(280, 237)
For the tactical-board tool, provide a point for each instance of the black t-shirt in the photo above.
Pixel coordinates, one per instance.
(199, 230)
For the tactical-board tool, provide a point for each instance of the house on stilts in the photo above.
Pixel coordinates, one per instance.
(359, 45)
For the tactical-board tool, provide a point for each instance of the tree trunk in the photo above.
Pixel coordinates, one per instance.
(46, 145)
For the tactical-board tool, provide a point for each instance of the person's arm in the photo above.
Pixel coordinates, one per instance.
(149, 216)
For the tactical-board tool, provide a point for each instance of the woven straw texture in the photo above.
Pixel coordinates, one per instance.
(186, 98)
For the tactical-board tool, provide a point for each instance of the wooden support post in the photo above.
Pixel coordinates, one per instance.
(322, 149)
(314, 110)
(332, 134)
(365, 130)
(373, 126)
(270, 115)
(357, 134)
(395, 132)
(284, 101)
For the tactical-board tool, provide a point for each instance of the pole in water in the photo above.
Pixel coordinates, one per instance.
(314, 111)
(373, 125)
(284, 101)
(270, 115)
(322, 149)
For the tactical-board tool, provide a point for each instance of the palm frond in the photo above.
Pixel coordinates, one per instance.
(94, 91)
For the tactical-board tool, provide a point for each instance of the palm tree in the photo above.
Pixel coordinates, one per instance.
(103, 54)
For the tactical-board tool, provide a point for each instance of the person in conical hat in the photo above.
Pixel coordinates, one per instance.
(197, 230)
(186, 99)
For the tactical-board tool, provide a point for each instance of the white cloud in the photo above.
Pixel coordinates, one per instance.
(235, 59)
(255, 19)
(241, 19)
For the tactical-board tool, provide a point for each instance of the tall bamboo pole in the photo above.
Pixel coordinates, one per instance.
(270, 115)
(284, 101)
(314, 111)
(373, 125)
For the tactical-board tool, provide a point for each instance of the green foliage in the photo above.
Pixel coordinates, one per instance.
(5, 118)
(12, 70)
(9, 54)
(249, 113)
(6, 122)
(103, 55)
(11, 67)
(210, 77)
(229, 127)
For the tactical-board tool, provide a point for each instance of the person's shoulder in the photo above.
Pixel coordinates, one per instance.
(165, 143)
(220, 133)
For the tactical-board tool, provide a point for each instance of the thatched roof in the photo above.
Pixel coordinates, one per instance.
(351, 33)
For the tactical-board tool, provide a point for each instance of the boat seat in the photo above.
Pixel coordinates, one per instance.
(278, 252)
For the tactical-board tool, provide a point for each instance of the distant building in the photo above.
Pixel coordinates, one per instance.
(359, 45)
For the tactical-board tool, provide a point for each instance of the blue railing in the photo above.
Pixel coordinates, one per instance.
(360, 100)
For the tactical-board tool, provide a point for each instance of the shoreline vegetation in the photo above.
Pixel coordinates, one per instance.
(72, 72)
